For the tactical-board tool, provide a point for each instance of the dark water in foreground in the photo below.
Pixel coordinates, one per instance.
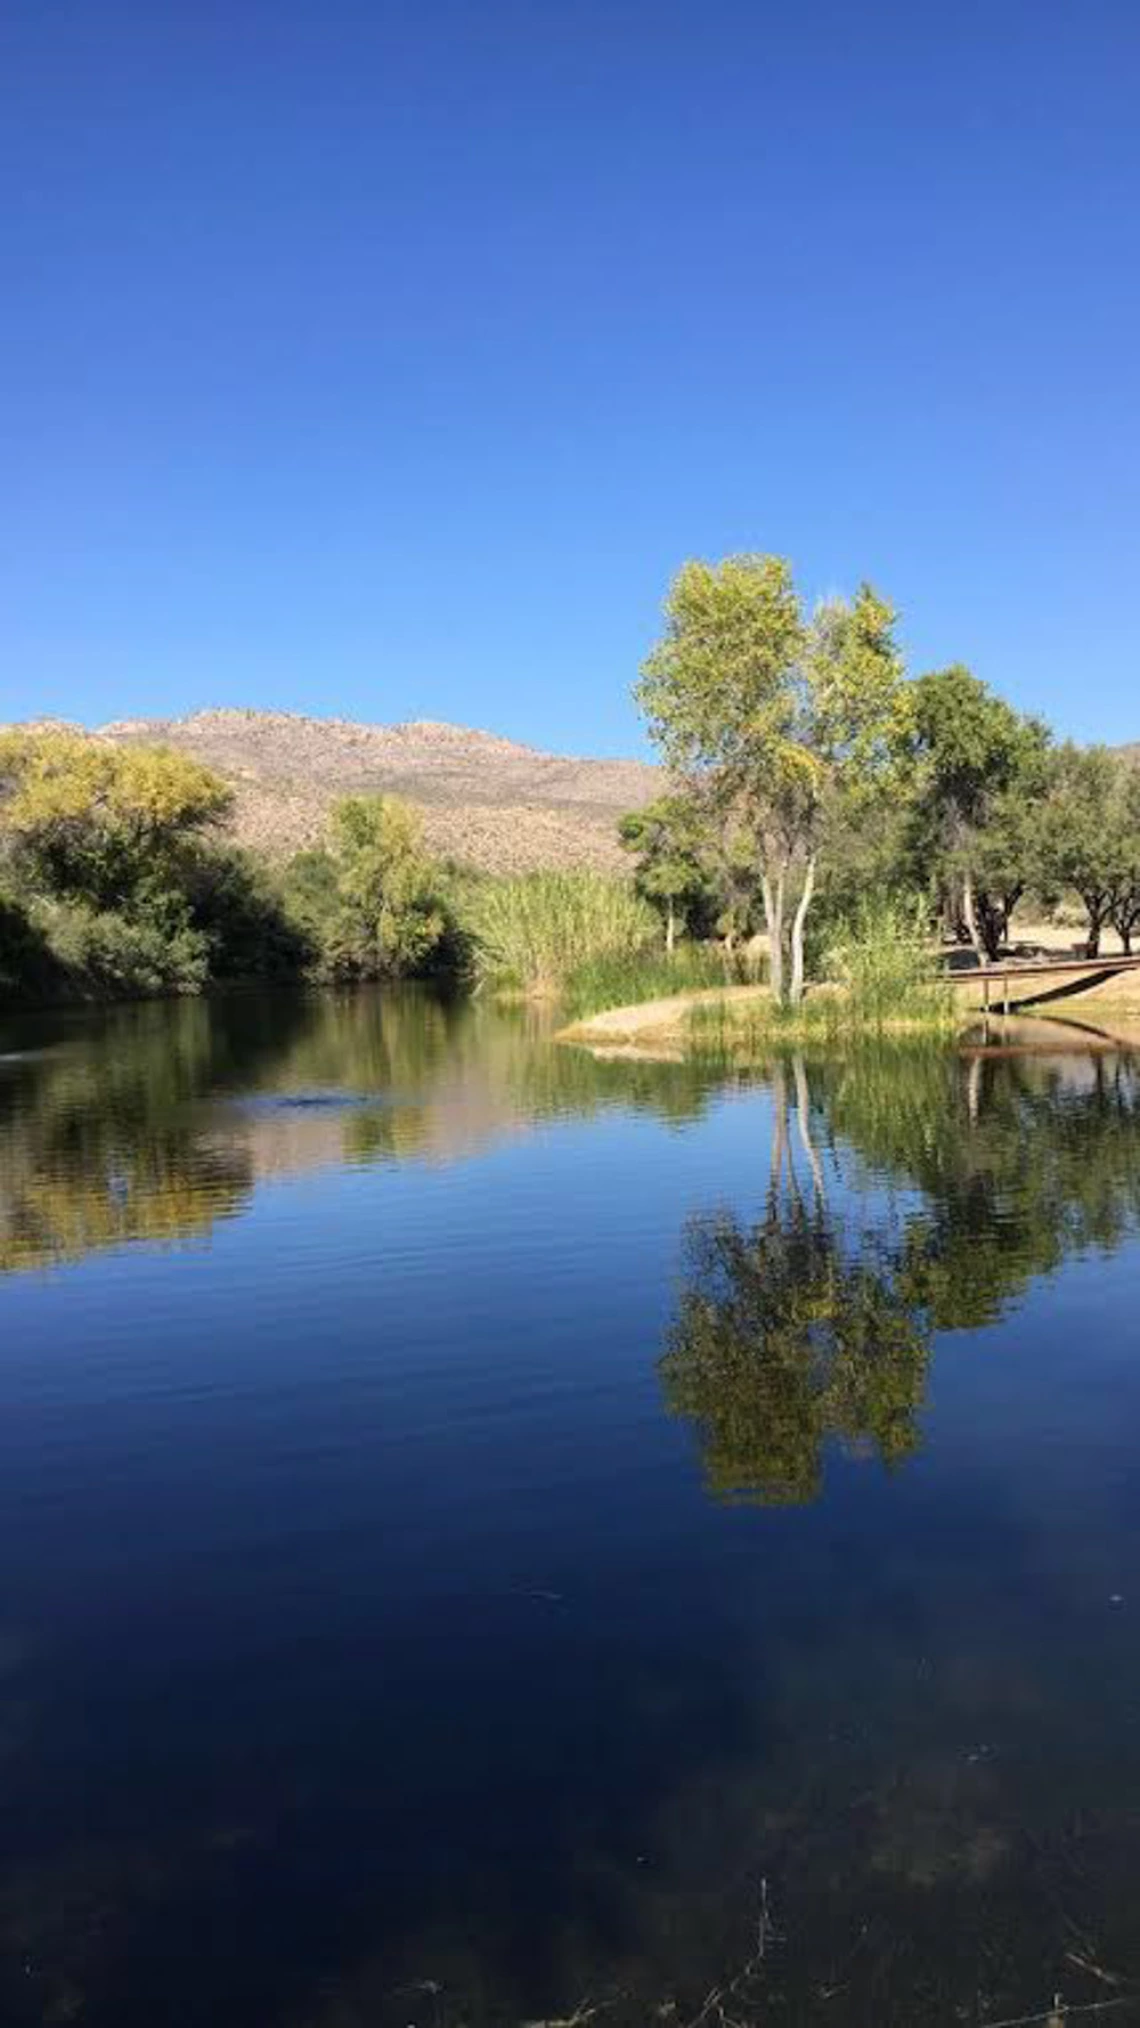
(490, 1536)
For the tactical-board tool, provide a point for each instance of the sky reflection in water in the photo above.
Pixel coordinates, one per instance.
(513, 1528)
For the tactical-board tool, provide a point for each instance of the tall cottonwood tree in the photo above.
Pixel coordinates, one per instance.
(778, 718)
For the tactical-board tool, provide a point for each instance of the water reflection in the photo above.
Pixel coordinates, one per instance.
(370, 1619)
(791, 1334)
(1019, 1160)
(99, 1140)
(813, 1327)
(153, 1123)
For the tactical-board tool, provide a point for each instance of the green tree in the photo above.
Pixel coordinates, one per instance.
(237, 903)
(373, 900)
(89, 821)
(1087, 824)
(1126, 887)
(669, 838)
(977, 767)
(776, 719)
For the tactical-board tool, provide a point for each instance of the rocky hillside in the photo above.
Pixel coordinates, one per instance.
(484, 801)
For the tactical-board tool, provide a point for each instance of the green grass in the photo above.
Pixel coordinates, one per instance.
(744, 1034)
(882, 965)
(879, 983)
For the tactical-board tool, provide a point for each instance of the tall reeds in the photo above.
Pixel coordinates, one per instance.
(532, 931)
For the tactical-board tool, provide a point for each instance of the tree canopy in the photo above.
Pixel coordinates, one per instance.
(372, 898)
(979, 770)
(93, 820)
(775, 718)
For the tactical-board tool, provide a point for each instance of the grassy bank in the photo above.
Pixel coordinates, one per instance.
(734, 1032)
(880, 983)
(601, 982)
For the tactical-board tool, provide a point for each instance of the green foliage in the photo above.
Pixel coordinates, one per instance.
(968, 742)
(532, 931)
(670, 840)
(782, 719)
(371, 905)
(241, 909)
(88, 821)
(1090, 832)
(882, 963)
(29, 968)
(719, 689)
(104, 954)
(979, 772)
(880, 979)
(603, 982)
(121, 888)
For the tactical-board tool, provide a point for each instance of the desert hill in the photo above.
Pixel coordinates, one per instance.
(485, 801)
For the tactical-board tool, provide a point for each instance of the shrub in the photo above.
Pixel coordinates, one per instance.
(28, 967)
(240, 907)
(372, 904)
(883, 963)
(103, 954)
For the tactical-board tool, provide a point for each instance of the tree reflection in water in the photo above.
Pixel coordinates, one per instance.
(793, 1333)
(808, 1328)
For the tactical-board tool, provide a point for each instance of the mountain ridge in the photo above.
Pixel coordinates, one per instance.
(485, 801)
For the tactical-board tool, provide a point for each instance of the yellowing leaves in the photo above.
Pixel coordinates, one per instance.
(59, 778)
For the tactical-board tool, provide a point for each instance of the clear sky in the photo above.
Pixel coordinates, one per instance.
(385, 360)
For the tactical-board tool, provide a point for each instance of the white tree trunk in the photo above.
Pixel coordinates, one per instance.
(800, 918)
(774, 917)
(970, 918)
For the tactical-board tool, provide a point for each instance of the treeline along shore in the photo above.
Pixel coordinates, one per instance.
(826, 819)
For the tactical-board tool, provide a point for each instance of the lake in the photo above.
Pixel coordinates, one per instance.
(494, 1536)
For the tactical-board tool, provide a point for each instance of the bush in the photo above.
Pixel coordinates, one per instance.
(103, 955)
(28, 967)
(372, 904)
(241, 910)
(884, 965)
(533, 930)
(599, 983)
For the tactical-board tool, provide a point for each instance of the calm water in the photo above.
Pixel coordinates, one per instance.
(490, 1536)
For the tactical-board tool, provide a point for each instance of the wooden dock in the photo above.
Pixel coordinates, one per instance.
(1014, 983)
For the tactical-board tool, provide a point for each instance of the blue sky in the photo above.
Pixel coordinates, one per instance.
(386, 359)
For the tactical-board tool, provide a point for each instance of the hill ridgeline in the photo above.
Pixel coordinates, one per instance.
(486, 802)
